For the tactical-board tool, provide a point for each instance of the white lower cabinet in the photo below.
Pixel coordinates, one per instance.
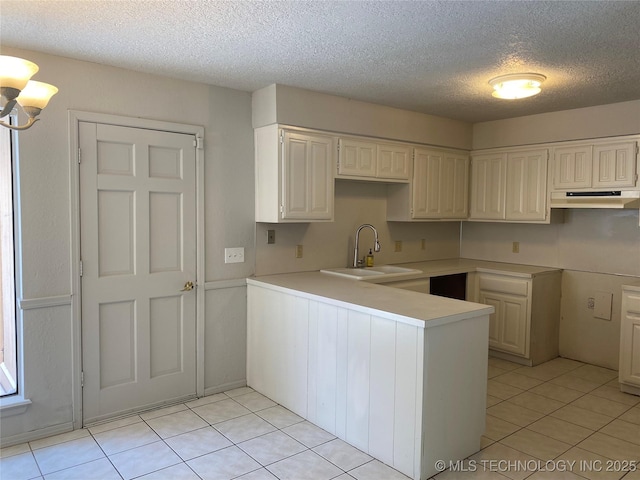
(381, 385)
(629, 370)
(525, 325)
(508, 326)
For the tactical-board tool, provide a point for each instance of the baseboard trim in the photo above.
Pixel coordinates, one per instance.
(35, 434)
(511, 358)
(631, 389)
(225, 387)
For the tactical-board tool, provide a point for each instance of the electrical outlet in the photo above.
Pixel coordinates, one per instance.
(591, 303)
(234, 255)
(398, 246)
(299, 251)
(516, 247)
(271, 237)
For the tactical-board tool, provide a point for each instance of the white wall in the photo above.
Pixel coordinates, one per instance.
(591, 122)
(304, 108)
(598, 249)
(46, 238)
(327, 245)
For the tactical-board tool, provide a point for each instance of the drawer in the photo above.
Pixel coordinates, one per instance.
(499, 283)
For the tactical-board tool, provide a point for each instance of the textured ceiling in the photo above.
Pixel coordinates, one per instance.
(428, 56)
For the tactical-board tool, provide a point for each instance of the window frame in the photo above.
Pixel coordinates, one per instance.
(16, 403)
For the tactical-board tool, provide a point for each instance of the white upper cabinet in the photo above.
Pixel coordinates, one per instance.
(527, 185)
(294, 175)
(440, 184)
(614, 165)
(373, 160)
(509, 186)
(572, 167)
(488, 186)
(595, 166)
(394, 161)
(439, 189)
(357, 158)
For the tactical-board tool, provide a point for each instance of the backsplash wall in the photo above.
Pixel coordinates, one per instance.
(603, 241)
(327, 245)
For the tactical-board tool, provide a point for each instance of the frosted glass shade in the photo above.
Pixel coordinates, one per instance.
(15, 72)
(36, 94)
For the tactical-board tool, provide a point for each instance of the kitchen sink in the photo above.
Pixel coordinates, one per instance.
(382, 271)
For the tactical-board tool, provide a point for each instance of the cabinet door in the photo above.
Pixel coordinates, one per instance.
(527, 185)
(440, 184)
(508, 325)
(357, 158)
(488, 186)
(427, 167)
(454, 187)
(307, 177)
(614, 165)
(394, 161)
(572, 167)
(630, 339)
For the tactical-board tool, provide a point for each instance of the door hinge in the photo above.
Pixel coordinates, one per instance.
(198, 142)
(82, 379)
(79, 156)
(81, 268)
(281, 136)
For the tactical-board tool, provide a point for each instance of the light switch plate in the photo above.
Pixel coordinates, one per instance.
(234, 255)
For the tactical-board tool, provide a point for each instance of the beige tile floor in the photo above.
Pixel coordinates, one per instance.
(560, 420)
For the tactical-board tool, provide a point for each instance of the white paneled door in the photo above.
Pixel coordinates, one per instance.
(138, 252)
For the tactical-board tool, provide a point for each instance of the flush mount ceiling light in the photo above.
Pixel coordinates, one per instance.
(517, 85)
(16, 87)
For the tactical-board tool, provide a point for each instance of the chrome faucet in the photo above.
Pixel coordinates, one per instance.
(376, 248)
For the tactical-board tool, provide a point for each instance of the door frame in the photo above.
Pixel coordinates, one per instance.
(75, 117)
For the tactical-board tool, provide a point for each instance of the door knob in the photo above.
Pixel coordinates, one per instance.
(188, 287)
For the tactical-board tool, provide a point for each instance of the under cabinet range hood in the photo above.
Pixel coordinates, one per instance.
(606, 199)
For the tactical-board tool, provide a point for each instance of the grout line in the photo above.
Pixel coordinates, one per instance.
(306, 448)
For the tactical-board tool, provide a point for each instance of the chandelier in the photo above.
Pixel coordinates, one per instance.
(16, 87)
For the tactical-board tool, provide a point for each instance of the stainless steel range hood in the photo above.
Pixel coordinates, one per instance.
(605, 199)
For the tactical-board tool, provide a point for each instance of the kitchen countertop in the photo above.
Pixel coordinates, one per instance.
(404, 306)
(414, 308)
(435, 268)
